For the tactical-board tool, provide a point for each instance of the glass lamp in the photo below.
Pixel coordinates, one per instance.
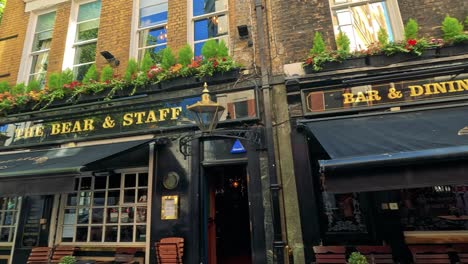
(206, 112)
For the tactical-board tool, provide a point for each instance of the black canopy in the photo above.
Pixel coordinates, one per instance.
(407, 146)
(49, 171)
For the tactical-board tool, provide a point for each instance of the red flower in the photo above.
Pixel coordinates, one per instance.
(411, 42)
(215, 63)
(309, 61)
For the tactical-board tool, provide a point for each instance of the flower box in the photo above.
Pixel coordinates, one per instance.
(181, 82)
(87, 98)
(358, 62)
(61, 102)
(150, 88)
(380, 60)
(454, 50)
(220, 77)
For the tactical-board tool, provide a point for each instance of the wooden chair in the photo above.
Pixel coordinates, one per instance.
(39, 255)
(170, 250)
(330, 254)
(462, 252)
(376, 254)
(430, 254)
(61, 251)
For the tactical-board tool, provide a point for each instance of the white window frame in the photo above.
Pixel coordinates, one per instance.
(121, 204)
(15, 224)
(135, 39)
(192, 19)
(396, 22)
(71, 44)
(26, 57)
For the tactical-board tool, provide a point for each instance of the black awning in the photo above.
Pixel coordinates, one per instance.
(44, 171)
(361, 144)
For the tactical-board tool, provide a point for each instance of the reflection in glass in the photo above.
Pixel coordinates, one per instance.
(96, 234)
(83, 215)
(99, 198)
(126, 233)
(98, 216)
(85, 198)
(141, 214)
(202, 7)
(140, 233)
(113, 197)
(81, 234)
(111, 234)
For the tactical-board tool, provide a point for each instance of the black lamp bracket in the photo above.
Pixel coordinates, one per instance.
(253, 136)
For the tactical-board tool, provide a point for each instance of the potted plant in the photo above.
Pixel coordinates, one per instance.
(343, 58)
(455, 39)
(59, 86)
(178, 72)
(357, 258)
(68, 260)
(318, 55)
(217, 66)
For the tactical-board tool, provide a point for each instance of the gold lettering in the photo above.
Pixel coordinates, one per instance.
(88, 125)
(127, 120)
(451, 88)
(348, 98)
(76, 127)
(428, 89)
(163, 114)
(416, 90)
(151, 117)
(55, 129)
(18, 133)
(28, 132)
(373, 95)
(176, 112)
(439, 88)
(66, 127)
(360, 97)
(39, 131)
(462, 85)
(139, 116)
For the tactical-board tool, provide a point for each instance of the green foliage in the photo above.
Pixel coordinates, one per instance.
(343, 45)
(91, 75)
(146, 63)
(357, 258)
(210, 49)
(185, 55)
(68, 260)
(19, 88)
(54, 82)
(223, 50)
(2, 7)
(451, 28)
(382, 36)
(318, 45)
(33, 85)
(131, 70)
(107, 74)
(66, 77)
(168, 59)
(463, 38)
(466, 21)
(4, 87)
(411, 29)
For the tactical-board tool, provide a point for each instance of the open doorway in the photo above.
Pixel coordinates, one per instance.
(228, 223)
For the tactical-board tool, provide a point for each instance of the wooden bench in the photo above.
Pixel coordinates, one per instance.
(426, 254)
(170, 250)
(376, 254)
(39, 255)
(330, 254)
(61, 251)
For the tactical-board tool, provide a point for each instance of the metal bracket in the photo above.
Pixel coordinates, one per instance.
(253, 135)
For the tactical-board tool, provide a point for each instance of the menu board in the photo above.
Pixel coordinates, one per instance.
(32, 227)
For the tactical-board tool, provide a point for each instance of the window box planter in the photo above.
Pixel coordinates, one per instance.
(178, 83)
(61, 102)
(454, 50)
(220, 77)
(380, 60)
(150, 88)
(358, 62)
(87, 98)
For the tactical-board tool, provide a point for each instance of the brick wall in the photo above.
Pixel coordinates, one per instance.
(177, 24)
(14, 22)
(430, 13)
(59, 36)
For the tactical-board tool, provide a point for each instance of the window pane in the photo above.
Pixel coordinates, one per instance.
(100, 183)
(67, 233)
(71, 199)
(141, 215)
(80, 71)
(142, 195)
(126, 233)
(111, 234)
(86, 183)
(99, 198)
(143, 179)
(153, 52)
(112, 215)
(114, 181)
(211, 27)
(129, 196)
(199, 45)
(113, 197)
(89, 11)
(6, 234)
(42, 41)
(9, 218)
(140, 233)
(153, 12)
(96, 234)
(85, 198)
(45, 22)
(69, 217)
(130, 180)
(39, 63)
(81, 234)
(201, 7)
(88, 30)
(83, 216)
(153, 36)
(98, 216)
(126, 215)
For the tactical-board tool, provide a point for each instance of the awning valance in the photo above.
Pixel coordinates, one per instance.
(49, 171)
(365, 144)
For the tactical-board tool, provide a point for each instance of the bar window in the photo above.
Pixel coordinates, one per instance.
(106, 209)
(210, 21)
(9, 210)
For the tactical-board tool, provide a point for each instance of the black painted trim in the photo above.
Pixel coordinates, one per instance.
(9, 37)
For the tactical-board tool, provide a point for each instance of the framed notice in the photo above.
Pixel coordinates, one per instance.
(169, 207)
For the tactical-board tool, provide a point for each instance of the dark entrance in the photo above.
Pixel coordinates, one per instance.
(34, 224)
(228, 225)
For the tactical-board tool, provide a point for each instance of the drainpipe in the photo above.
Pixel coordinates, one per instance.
(278, 243)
